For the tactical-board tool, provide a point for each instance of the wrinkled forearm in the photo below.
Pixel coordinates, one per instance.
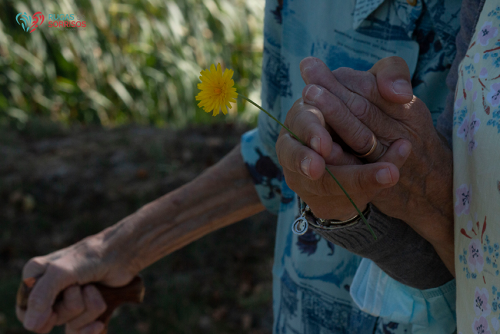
(220, 196)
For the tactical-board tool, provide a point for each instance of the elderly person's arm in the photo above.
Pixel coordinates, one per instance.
(222, 195)
(351, 107)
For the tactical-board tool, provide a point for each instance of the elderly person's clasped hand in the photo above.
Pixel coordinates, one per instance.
(346, 113)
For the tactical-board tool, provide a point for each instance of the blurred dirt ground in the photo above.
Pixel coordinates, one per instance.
(58, 185)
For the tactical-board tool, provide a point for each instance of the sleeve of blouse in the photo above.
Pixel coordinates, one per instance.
(266, 174)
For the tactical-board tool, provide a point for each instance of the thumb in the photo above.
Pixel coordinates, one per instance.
(365, 180)
(393, 79)
(51, 279)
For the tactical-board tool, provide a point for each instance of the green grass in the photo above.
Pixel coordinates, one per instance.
(135, 61)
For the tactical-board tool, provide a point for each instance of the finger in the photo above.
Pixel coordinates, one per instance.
(94, 307)
(397, 153)
(49, 324)
(298, 158)
(308, 124)
(359, 179)
(393, 79)
(346, 124)
(71, 306)
(43, 295)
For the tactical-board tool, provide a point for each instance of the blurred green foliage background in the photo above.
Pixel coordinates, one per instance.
(136, 60)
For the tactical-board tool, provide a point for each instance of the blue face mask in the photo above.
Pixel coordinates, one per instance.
(428, 311)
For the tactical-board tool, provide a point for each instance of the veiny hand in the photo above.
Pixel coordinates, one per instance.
(354, 105)
(362, 182)
(69, 270)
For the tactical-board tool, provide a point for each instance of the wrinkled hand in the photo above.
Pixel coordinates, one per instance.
(312, 124)
(351, 106)
(68, 270)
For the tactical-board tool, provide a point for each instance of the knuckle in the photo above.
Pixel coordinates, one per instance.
(343, 71)
(34, 266)
(364, 143)
(360, 107)
(58, 272)
(335, 112)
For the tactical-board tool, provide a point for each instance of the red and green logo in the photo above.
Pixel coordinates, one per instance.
(30, 23)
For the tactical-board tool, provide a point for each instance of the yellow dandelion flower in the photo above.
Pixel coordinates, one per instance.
(216, 90)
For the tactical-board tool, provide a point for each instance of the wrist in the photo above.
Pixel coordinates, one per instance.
(340, 215)
(120, 246)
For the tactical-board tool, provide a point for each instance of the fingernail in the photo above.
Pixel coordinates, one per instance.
(304, 70)
(402, 87)
(312, 93)
(304, 165)
(310, 63)
(384, 176)
(316, 144)
(404, 150)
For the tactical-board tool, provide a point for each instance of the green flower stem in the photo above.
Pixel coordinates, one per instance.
(293, 134)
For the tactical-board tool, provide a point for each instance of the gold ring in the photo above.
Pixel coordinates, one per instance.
(374, 146)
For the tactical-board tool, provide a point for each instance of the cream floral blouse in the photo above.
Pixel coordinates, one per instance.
(476, 151)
